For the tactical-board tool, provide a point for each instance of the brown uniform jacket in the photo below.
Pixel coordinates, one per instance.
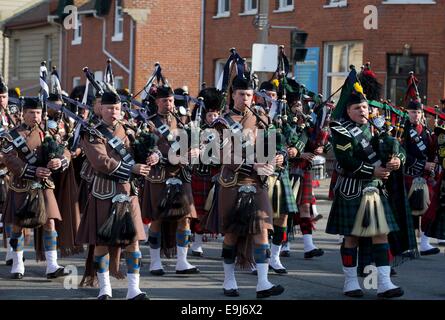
(111, 177)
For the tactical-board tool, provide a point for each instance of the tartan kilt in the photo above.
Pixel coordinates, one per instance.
(434, 225)
(201, 185)
(288, 203)
(343, 212)
(436, 229)
(305, 193)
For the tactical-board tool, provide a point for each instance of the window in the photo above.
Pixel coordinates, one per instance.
(76, 82)
(77, 35)
(338, 56)
(16, 62)
(250, 7)
(118, 22)
(48, 51)
(219, 69)
(409, 2)
(399, 67)
(335, 3)
(284, 5)
(223, 9)
(119, 82)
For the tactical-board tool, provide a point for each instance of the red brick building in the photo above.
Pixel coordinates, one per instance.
(134, 34)
(409, 36)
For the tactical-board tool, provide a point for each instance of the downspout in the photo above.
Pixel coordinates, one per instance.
(51, 20)
(104, 50)
(131, 83)
(201, 53)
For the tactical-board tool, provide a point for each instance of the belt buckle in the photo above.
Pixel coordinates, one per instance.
(18, 141)
(114, 142)
(120, 198)
(173, 181)
(247, 189)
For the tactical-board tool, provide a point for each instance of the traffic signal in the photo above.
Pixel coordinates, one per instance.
(297, 42)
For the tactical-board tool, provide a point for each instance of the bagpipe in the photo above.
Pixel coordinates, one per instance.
(52, 148)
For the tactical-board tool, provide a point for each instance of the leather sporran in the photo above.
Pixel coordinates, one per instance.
(32, 213)
(119, 228)
(175, 204)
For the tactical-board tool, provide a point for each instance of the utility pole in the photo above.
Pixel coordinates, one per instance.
(262, 24)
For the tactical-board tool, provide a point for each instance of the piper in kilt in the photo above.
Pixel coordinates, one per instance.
(245, 210)
(301, 155)
(31, 202)
(167, 198)
(280, 190)
(435, 221)
(5, 125)
(204, 174)
(361, 207)
(421, 172)
(112, 216)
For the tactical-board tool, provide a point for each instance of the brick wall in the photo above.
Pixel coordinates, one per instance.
(170, 36)
(421, 26)
(89, 53)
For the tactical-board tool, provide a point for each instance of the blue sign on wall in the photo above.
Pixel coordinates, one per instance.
(307, 72)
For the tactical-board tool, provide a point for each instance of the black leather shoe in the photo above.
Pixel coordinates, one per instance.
(188, 271)
(197, 254)
(313, 253)
(56, 274)
(285, 254)
(354, 293)
(17, 276)
(430, 252)
(104, 297)
(279, 271)
(231, 292)
(254, 272)
(140, 296)
(393, 293)
(274, 291)
(157, 272)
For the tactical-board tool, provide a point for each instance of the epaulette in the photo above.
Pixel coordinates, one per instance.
(339, 128)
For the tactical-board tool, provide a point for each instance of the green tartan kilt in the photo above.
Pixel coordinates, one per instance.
(288, 202)
(343, 212)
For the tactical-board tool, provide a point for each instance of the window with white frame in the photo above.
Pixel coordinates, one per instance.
(119, 82)
(409, 2)
(77, 35)
(118, 22)
(219, 70)
(223, 9)
(284, 5)
(338, 56)
(76, 82)
(250, 6)
(336, 3)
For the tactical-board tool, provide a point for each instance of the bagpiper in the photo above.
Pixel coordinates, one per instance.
(245, 212)
(204, 174)
(167, 199)
(31, 202)
(361, 207)
(420, 171)
(112, 217)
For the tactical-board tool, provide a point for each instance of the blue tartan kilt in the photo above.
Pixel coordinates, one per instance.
(343, 213)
